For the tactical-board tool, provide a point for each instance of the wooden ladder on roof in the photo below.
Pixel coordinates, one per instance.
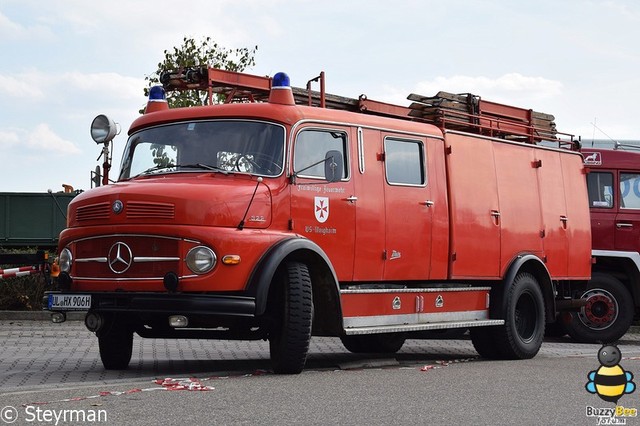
(449, 111)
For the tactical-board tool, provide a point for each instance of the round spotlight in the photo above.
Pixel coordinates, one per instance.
(103, 129)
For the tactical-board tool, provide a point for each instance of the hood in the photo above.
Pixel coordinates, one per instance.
(197, 200)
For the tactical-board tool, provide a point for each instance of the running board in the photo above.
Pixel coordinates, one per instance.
(421, 327)
(368, 310)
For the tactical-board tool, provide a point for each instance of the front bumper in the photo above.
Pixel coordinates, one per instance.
(140, 303)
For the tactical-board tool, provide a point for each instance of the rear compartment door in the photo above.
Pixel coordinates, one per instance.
(408, 209)
(475, 209)
(554, 211)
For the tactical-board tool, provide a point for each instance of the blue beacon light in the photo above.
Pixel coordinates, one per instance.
(281, 90)
(156, 93)
(157, 100)
(281, 79)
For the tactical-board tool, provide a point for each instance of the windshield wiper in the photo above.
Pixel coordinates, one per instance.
(201, 166)
(155, 169)
(175, 167)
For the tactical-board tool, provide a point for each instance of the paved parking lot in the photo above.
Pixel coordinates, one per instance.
(38, 353)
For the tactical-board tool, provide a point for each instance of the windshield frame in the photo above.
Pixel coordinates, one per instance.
(200, 164)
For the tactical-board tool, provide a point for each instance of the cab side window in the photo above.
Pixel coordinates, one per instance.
(630, 190)
(600, 187)
(312, 146)
(404, 162)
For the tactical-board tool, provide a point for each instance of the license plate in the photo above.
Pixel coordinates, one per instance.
(69, 302)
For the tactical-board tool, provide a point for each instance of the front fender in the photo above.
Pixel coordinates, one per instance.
(299, 249)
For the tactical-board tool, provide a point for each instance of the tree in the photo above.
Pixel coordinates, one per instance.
(199, 53)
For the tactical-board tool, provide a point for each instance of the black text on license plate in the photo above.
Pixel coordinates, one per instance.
(69, 301)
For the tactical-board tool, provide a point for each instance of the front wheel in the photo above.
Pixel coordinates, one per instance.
(290, 334)
(116, 346)
(521, 335)
(607, 315)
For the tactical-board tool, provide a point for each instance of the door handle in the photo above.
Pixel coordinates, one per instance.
(351, 199)
(495, 213)
(427, 203)
(624, 225)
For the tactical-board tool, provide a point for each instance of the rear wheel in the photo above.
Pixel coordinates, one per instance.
(521, 335)
(116, 346)
(374, 343)
(607, 315)
(290, 335)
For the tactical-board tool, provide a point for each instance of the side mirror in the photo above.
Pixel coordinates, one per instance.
(333, 166)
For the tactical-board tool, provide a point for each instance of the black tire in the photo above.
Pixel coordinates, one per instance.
(608, 314)
(483, 339)
(116, 347)
(290, 334)
(522, 334)
(374, 343)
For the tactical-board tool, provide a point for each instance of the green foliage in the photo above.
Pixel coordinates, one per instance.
(22, 293)
(193, 53)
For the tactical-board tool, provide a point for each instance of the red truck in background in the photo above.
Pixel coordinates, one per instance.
(271, 218)
(613, 294)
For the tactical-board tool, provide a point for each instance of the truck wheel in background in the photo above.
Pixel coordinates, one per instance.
(116, 346)
(291, 333)
(521, 335)
(374, 343)
(607, 315)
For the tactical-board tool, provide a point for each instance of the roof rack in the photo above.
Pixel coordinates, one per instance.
(449, 111)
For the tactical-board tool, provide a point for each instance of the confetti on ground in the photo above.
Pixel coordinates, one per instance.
(167, 384)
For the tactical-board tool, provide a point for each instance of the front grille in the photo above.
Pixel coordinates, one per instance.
(99, 211)
(148, 210)
(151, 257)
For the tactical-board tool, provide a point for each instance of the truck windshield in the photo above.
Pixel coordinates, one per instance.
(229, 146)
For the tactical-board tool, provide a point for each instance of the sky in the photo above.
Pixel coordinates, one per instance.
(63, 62)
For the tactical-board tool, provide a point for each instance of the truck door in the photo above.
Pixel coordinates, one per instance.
(407, 208)
(603, 200)
(627, 226)
(320, 210)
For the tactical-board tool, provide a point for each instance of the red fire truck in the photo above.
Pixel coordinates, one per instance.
(284, 213)
(613, 294)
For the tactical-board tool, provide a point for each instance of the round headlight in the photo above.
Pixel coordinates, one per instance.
(65, 259)
(201, 259)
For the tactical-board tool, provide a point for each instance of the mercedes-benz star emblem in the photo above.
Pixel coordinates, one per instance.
(117, 206)
(120, 257)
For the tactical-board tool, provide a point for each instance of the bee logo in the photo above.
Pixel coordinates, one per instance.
(610, 381)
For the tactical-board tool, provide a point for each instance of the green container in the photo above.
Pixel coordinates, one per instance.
(32, 219)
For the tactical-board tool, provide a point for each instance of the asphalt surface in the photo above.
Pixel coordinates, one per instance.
(35, 352)
(54, 369)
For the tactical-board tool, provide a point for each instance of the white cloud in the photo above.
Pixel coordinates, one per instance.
(33, 85)
(43, 138)
(8, 139)
(109, 84)
(10, 30)
(17, 87)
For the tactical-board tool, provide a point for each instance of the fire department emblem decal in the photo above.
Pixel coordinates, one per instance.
(321, 209)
